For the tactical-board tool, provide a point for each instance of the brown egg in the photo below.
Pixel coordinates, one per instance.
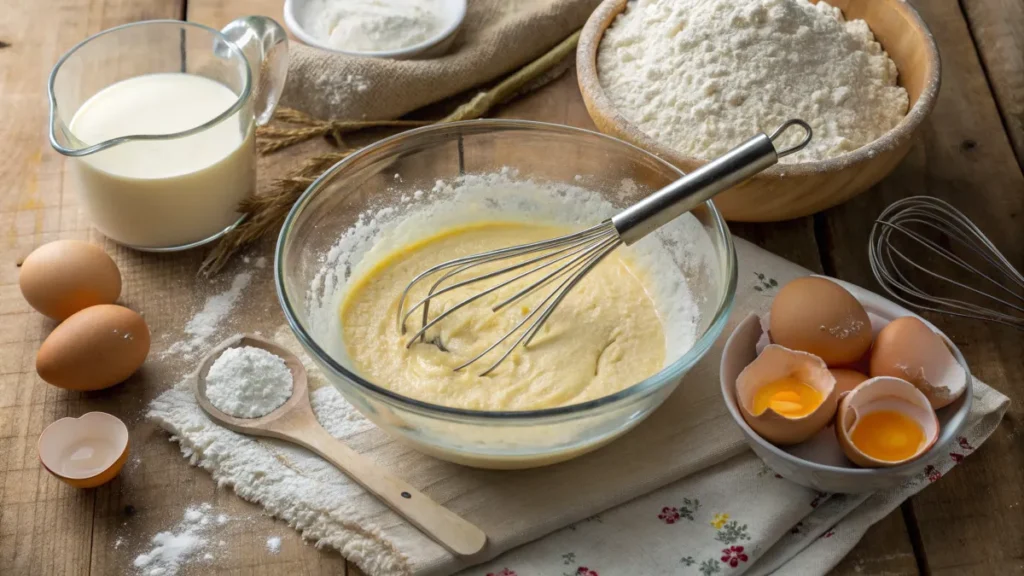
(94, 349)
(818, 316)
(63, 277)
(846, 380)
(907, 348)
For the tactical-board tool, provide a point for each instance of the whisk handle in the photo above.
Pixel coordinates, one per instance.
(698, 186)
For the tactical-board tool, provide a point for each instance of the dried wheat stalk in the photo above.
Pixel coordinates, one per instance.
(266, 213)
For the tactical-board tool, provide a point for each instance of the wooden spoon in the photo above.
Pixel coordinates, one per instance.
(294, 422)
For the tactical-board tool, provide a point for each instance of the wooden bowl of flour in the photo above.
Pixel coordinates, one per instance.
(789, 191)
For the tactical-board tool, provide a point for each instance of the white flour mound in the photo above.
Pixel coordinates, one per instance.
(248, 382)
(274, 544)
(702, 76)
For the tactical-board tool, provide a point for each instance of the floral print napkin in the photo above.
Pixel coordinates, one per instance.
(738, 517)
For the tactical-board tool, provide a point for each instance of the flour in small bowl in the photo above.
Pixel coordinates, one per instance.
(373, 25)
(704, 75)
(248, 382)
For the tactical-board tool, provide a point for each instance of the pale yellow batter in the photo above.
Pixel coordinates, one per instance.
(605, 336)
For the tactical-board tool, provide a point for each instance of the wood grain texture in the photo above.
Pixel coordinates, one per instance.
(46, 527)
(997, 27)
(971, 522)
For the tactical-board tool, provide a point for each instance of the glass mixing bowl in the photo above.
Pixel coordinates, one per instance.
(396, 177)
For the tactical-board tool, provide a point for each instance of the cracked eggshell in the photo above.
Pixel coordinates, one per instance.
(774, 363)
(908, 349)
(884, 393)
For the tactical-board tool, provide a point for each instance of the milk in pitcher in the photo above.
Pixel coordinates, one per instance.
(166, 192)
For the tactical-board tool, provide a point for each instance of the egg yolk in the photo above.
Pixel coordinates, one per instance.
(887, 435)
(789, 397)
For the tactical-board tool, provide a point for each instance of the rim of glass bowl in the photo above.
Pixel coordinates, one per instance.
(634, 392)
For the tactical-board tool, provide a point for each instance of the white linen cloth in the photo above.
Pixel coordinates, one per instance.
(680, 494)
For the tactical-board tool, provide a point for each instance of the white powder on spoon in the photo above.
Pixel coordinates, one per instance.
(248, 382)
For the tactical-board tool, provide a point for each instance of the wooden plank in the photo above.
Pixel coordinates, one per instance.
(160, 484)
(998, 30)
(46, 527)
(970, 522)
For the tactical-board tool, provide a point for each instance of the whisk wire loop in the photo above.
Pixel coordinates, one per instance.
(566, 260)
(909, 219)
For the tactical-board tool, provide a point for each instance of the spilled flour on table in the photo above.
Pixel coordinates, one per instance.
(173, 549)
(201, 327)
(314, 497)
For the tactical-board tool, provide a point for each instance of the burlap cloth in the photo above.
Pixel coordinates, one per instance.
(496, 38)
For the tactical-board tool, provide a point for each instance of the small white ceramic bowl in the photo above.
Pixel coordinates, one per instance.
(819, 463)
(297, 15)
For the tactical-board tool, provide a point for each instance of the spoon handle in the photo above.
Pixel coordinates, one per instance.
(442, 525)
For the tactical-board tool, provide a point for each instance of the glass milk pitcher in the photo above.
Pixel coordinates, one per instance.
(158, 120)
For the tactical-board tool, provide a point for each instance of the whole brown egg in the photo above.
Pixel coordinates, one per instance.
(818, 316)
(63, 277)
(94, 349)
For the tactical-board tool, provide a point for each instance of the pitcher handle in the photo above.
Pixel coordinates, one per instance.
(265, 45)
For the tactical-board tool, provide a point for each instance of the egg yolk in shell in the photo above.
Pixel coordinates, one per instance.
(887, 435)
(788, 397)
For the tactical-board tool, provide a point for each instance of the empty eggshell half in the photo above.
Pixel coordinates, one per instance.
(85, 452)
(775, 363)
(889, 394)
(908, 349)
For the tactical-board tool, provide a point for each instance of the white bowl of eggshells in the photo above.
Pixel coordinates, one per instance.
(814, 450)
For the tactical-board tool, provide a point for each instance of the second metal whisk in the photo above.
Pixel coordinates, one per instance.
(969, 278)
(565, 260)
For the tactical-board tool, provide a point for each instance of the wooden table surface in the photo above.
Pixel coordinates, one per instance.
(970, 152)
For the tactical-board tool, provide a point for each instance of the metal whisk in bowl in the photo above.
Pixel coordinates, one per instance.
(988, 275)
(564, 261)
